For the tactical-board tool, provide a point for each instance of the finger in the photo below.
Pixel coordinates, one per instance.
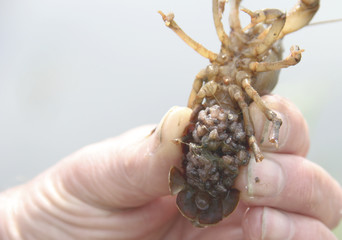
(292, 183)
(129, 170)
(268, 223)
(293, 136)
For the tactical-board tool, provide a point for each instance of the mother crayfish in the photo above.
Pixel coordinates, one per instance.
(220, 135)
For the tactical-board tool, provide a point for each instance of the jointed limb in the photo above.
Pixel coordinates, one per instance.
(218, 8)
(276, 19)
(234, 19)
(169, 22)
(293, 59)
(236, 93)
(270, 115)
(196, 86)
(207, 90)
(200, 91)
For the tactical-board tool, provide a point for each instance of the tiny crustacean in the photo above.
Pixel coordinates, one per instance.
(220, 135)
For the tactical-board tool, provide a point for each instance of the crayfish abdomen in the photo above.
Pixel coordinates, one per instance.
(215, 146)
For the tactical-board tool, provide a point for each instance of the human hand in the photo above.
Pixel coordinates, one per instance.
(118, 189)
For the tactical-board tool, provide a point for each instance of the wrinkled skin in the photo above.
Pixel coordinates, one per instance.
(117, 189)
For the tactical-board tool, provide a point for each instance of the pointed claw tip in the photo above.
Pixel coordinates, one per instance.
(259, 158)
(249, 12)
(162, 14)
(275, 142)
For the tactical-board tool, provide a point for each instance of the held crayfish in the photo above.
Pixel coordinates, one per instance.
(220, 135)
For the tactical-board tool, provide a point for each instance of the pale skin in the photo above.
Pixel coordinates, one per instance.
(118, 189)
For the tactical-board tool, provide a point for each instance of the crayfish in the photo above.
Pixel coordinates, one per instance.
(220, 137)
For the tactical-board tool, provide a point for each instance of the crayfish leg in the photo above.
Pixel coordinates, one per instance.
(218, 9)
(234, 19)
(291, 60)
(276, 19)
(196, 86)
(237, 94)
(169, 22)
(270, 115)
(300, 16)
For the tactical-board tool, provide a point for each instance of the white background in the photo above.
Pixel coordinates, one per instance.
(73, 72)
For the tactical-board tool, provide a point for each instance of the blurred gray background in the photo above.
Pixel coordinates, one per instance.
(73, 72)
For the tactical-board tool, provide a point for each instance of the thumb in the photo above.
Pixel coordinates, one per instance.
(129, 170)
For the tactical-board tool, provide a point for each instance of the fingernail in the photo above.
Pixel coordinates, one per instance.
(173, 123)
(264, 179)
(170, 128)
(276, 225)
